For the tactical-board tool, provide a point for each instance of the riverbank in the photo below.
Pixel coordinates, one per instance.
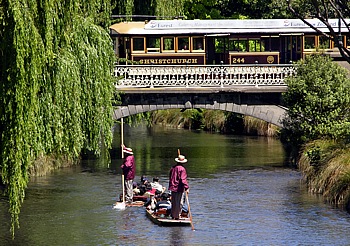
(325, 166)
(214, 121)
(46, 164)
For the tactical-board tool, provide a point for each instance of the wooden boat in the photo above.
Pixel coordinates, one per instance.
(135, 204)
(136, 198)
(163, 220)
(137, 201)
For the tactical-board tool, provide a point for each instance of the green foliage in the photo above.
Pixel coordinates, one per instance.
(136, 119)
(277, 9)
(169, 8)
(326, 168)
(203, 9)
(198, 9)
(318, 101)
(135, 7)
(160, 8)
(212, 120)
(237, 9)
(56, 85)
(323, 9)
(192, 119)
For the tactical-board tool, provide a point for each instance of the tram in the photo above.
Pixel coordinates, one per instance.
(201, 42)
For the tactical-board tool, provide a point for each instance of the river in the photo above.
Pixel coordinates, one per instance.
(240, 194)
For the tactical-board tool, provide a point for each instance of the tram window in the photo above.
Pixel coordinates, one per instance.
(183, 44)
(198, 44)
(252, 45)
(324, 42)
(240, 45)
(299, 42)
(168, 44)
(231, 45)
(255, 45)
(274, 44)
(344, 40)
(263, 45)
(153, 44)
(138, 44)
(347, 43)
(221, 44)
(266, 43)
(309, 42)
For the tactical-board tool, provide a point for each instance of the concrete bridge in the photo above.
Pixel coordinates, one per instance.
(253, 90)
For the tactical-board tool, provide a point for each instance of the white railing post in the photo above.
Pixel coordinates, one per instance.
(222, 74)
(151, 75)
(256, 73)
(186, 74)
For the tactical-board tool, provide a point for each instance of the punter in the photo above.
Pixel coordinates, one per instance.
(178, 185)
(128, 168)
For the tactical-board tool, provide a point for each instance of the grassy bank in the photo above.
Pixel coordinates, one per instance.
(326, 169)
(214, 121)
(46, 164)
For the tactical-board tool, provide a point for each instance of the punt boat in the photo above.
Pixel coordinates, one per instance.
(163, 220)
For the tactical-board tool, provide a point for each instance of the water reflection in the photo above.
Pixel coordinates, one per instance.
(177, 237)
(156, 149)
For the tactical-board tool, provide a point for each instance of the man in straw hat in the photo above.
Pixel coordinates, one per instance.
(178, 185)
(128, 168)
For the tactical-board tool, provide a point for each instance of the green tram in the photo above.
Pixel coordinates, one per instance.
(195, 42)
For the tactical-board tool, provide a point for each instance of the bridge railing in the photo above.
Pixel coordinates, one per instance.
(202, 75)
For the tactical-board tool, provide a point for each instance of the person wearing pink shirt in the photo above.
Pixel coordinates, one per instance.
(128, 168)
(178, 185)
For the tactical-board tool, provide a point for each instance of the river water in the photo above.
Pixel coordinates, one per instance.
(240, 194)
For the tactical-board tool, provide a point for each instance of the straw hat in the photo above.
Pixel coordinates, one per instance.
(128, 150)
(181, 159)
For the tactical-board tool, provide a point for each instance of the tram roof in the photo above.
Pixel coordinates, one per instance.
(164, 27)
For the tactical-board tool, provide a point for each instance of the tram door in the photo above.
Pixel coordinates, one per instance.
(122, 48)
(217, 49)
(291, 48)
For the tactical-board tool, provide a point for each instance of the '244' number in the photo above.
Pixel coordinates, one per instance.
(237, 60)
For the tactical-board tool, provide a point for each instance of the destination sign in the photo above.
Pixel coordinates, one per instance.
(229, 24)
(169, 60)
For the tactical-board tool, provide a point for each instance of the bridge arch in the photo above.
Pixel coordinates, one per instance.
(264, 106)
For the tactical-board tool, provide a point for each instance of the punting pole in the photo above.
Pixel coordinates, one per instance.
(189, 210)
(122, 135)
(122, 141)
(121, 205)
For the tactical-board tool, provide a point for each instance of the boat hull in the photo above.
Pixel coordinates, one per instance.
(138, 201)
(166, 221)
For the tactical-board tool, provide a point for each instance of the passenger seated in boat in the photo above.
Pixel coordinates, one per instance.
(142, 186)
(164, 205)
(150, 191)
(164, 201)
(184, 210)
(156, 185)
(151, 202)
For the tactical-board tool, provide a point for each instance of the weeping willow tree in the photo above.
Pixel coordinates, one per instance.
(56, 88)
(169, 7)
(161, 8)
